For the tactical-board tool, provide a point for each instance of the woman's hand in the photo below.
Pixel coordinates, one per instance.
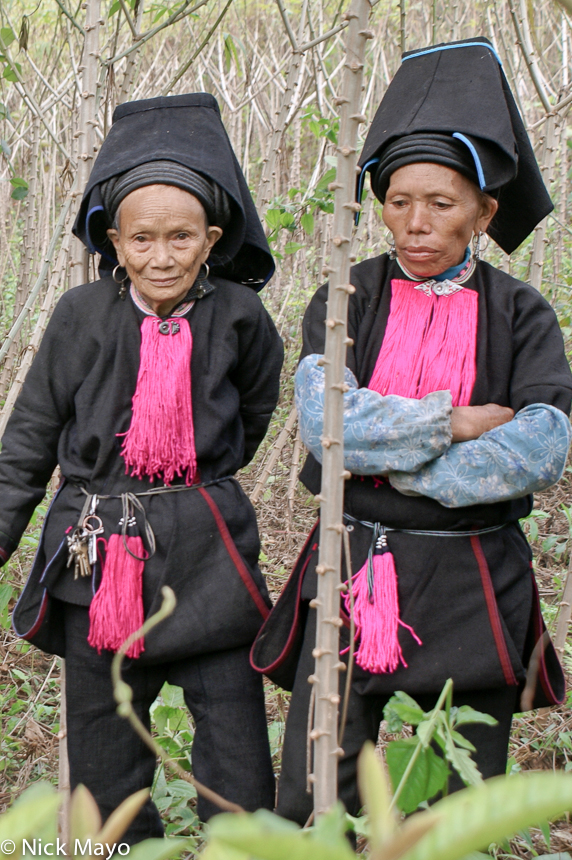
(470, 422)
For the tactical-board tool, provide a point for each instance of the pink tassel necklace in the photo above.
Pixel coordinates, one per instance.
(160, 442)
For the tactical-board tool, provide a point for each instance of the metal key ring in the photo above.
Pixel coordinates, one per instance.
(88, 528)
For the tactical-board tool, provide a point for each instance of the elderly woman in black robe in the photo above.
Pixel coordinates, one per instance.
(458, 392)
(151, 388)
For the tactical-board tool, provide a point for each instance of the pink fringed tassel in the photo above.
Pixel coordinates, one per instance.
(160, 441)
(116, 610)
(430, 344)
(376, 612)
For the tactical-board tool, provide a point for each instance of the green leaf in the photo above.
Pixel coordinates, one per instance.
(328, 177)
(464, 715)
(4, 112)
(428, 776)
(463, 763)
(160, 849)
(5, 147)
(172, 696)
(180, 788)
(307, 223)
(172, 718)
(287, 220)
(292, 247)
(470, 820)
(10, 75)
(272, 218)
(19, 193)
(400, 709)
(265, 836)
(7, 35)
(114, 8)
(375, 795)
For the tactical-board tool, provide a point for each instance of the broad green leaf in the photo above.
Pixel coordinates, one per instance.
(561, 856)
(217, 850)
(328, 177)
(9, 73)
(463, 763)
(35, 810)
(273, 218)
(427, 777)
(465, 715)
(161, 849)
(180, 788)
(18, 182)
(470, 820)
(165, 717)
(19, 193)
(307, 222)
(85, 820)
(5, 147)
(287, 220)
(7, 35)
(375, 796)
(461, 741)
(172, 696)
(264, 836)
(401, 708)
(292, 247)
(121, 818)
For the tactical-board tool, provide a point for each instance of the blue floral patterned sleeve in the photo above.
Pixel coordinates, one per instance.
(381, 434)
(523, 456)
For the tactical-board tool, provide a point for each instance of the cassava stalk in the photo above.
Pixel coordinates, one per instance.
(327, 603)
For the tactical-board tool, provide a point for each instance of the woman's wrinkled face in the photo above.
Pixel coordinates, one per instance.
(433, 212)
(162, 241)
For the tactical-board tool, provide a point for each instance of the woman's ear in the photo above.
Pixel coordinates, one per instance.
(213, 235)
(488, 210)
(113, 234)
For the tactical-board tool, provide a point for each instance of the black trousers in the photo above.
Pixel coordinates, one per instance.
(365, 714)
(230, 753)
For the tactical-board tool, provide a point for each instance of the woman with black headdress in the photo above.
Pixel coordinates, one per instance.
(458, 391)
(151, 388)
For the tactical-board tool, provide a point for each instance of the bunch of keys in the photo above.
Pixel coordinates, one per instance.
(82, 543)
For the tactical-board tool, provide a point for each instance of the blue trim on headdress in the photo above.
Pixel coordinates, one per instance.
(475, 154)
(91, 247)
(360, 185)
(450, 48)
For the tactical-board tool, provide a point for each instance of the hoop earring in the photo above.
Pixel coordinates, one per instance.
(121, 281)
(389, 238)
(204, 277)
(478, 248)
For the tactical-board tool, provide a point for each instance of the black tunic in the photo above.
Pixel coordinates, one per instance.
(76, 400)
(470, 600)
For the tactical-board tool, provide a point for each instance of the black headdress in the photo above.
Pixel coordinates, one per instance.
(188, 131)
(451, 104)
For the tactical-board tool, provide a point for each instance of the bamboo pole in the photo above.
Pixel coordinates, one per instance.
(325, 679)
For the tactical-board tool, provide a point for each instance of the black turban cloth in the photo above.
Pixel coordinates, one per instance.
(212, 197)
(455, 95)
(188, 131)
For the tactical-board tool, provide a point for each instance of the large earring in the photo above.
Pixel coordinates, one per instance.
(122, 281)
(204, 277)
(389, 238)
(478, 247)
